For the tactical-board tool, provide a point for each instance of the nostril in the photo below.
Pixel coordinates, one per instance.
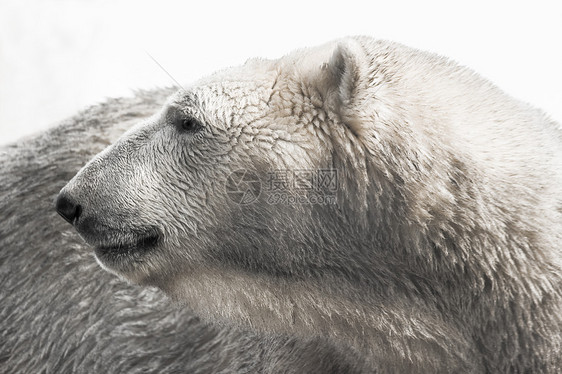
(67, 209)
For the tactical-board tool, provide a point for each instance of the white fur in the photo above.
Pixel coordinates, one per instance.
(442, 254)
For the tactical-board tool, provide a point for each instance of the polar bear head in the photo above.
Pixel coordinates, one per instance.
(257, 169)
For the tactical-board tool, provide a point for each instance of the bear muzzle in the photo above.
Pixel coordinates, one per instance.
(108, 238)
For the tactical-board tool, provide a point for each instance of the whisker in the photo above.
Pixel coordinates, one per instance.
(165, 71)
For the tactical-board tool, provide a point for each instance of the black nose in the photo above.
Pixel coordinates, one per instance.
(67, 208)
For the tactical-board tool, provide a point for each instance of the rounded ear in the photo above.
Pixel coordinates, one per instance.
(345, 84)
(346, 73)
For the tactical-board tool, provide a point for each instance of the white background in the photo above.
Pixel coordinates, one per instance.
(59, 56)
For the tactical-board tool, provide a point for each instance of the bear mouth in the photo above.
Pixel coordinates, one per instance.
(122, 253)
(142, 244)
(111, 242)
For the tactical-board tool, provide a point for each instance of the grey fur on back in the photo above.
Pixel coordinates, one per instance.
(61, 313)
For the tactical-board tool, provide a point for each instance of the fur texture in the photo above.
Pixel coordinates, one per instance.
(442, 253)
(61, 313)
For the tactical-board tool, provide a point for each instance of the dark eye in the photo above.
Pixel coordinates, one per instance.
(189, 124)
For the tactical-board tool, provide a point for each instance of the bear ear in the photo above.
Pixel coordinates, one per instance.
(345, 73)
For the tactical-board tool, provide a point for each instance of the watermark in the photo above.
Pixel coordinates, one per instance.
(293, 199)
(288, 187)
(243, 186)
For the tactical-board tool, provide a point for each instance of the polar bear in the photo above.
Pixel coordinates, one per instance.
(439, 249)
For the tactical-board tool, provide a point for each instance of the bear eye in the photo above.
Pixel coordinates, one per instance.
(188, 124)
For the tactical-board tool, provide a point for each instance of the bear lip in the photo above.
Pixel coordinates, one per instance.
(142, 244)
(108, 240)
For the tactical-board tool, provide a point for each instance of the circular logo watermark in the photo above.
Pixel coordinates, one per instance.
(243, 186)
